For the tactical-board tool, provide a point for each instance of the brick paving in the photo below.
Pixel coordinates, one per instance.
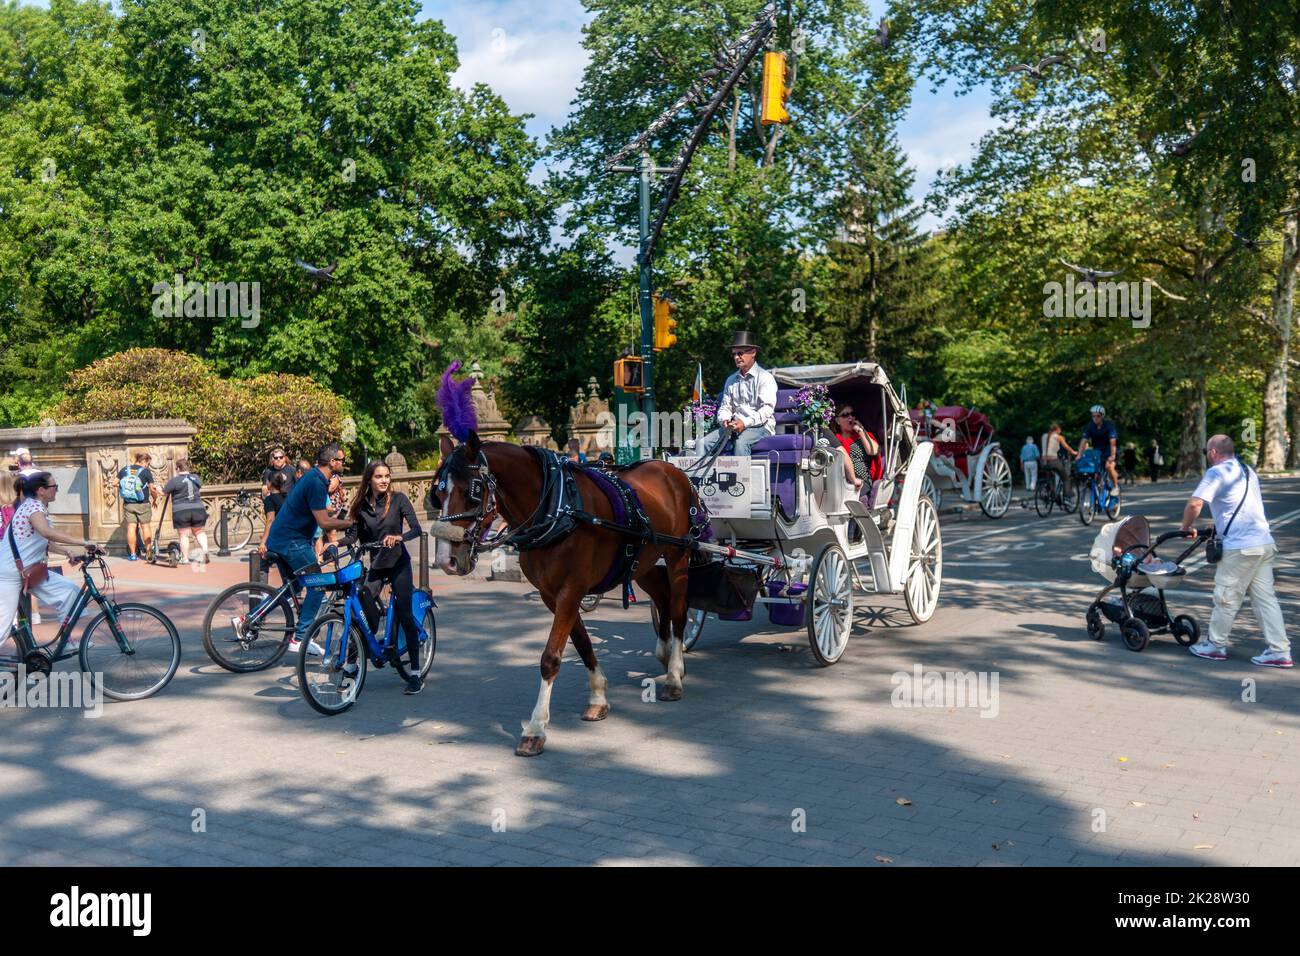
(769, 759)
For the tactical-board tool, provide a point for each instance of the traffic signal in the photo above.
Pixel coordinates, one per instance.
(628, 374)
(664, 322)
(774, 89)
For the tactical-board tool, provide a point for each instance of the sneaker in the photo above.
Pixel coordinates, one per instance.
(1209, 650)
(182, 560)
(207, 558)
(132, 557)
(413, 685)
(1272, 658)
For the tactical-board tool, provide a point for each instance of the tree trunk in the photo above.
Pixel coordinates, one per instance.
(731, 131)
(1192, 439)
(1293, 399)
(1272, 451)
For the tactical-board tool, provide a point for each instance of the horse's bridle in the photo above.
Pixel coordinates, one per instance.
(480, 496)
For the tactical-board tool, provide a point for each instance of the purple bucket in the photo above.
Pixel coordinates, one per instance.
(737, 616)
(785, 615)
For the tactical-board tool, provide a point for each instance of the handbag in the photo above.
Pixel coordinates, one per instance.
(1214, 547)
(32, 577)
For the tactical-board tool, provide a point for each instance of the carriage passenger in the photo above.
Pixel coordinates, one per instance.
(862, 465)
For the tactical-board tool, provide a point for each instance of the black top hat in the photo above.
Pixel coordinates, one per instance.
(744, 339)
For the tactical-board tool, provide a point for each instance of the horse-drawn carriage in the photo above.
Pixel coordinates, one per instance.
(808, 540)
(966, 460)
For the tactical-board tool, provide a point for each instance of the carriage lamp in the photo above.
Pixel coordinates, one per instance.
(775, 91)
(629, 375)
(664, 308)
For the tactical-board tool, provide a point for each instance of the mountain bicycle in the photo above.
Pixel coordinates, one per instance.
(249, 625)
(131, 650)
(331, 682)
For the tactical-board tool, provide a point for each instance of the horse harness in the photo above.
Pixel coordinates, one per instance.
(559, 512)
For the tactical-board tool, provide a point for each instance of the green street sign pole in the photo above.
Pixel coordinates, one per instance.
(647, 304)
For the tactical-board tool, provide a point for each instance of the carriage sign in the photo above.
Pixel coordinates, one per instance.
(724, 489)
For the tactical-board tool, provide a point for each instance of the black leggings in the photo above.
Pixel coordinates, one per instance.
(399, 578)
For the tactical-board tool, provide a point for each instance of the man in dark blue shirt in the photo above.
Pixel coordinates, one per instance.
(1101, 435)
(307, 508)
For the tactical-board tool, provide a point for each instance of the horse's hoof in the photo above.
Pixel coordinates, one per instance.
(596, 712)
(530, 746)
(671, 693)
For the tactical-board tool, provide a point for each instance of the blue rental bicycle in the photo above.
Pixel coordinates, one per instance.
(1096, 493)
(131, 650)
(332, 681)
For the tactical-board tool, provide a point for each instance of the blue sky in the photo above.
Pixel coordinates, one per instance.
(531, 54)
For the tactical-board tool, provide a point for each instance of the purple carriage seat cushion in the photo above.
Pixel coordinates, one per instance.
(784, 452)
(787, 413)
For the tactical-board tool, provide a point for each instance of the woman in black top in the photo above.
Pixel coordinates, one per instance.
(380, 514)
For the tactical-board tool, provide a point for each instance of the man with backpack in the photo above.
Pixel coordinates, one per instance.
(1242, 553)
(138, 490)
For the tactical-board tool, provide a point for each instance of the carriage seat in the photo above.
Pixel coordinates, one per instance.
(786, 418)
(784, 453)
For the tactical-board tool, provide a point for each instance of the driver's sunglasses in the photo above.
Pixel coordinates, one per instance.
(736, 353)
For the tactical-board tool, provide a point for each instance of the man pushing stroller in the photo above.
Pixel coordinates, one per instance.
(1246, 567)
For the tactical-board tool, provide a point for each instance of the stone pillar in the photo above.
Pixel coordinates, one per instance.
(586, 423)
(534, 431)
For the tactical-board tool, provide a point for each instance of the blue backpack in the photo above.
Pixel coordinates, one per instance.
(130, 487)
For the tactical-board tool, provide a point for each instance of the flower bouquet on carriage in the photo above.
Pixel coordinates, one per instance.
(815, 407)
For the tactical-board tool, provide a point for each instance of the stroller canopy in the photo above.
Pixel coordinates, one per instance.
(1123, 534)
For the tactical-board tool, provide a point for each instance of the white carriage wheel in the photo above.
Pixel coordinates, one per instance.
(925, 568)
(928, 487)
(995, 498)
(829, 612)
(694, 625)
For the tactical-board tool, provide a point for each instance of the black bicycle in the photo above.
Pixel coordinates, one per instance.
(1051, 493)
(249, 625)
(130, 650)
(241, 514)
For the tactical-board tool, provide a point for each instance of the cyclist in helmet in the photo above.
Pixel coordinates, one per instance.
(1101, 435)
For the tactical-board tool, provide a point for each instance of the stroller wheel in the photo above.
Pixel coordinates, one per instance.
(1096, 626)
(1185, 630)
(1135, 634)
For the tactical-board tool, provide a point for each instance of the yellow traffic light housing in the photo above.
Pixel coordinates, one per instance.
(664, 322)
(774, 89)
(629, 374)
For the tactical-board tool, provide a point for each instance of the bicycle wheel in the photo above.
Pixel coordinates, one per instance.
(428, 647)
(1113, 503)
(331, 683)
(239, 648)
(1069, 500)
(1045, 497)
(142, 663)
(240, 531)
(1088, 502)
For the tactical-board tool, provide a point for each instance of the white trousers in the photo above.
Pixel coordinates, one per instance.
(1031, 474)
(1245, 571)
(57, 591)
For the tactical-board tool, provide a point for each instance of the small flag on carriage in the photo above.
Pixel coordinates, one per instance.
(698, 394)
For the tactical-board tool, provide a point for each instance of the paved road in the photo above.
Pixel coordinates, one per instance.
(1096, 755)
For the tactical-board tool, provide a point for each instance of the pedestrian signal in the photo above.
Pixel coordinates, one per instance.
(629, 374)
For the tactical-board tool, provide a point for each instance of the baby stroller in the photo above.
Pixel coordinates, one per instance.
(1124, 554)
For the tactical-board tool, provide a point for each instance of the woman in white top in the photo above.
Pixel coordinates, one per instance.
(30, 534)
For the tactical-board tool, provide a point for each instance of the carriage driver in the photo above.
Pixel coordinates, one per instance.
(748, 405)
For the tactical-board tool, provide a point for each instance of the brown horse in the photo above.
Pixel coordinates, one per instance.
(478, 479)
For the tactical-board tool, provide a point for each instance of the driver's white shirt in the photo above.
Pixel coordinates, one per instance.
(750, 397)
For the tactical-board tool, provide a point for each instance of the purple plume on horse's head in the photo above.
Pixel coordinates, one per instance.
(457, 407)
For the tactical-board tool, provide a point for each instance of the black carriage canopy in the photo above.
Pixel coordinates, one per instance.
(866, 387)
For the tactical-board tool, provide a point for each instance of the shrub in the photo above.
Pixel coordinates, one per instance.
(238, 421)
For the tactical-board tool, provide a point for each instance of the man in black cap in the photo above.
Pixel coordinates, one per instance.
(748, 404)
